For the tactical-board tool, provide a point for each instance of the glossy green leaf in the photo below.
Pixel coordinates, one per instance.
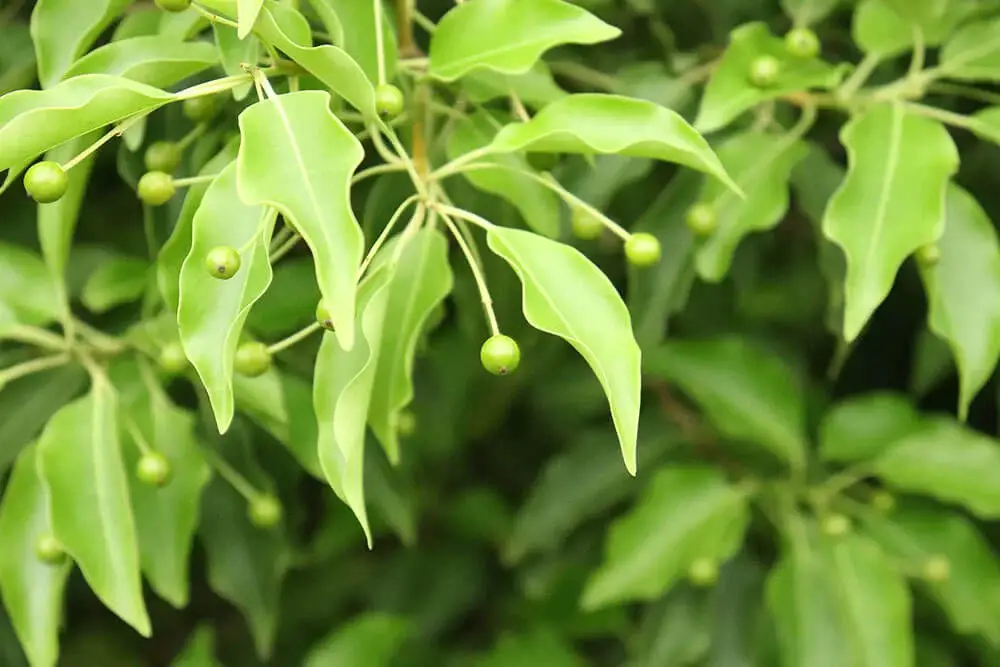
(332, 23)
(199, 651)
(565, 295)
(32, 590)
(509, 36)
(891, 203)
(155, 61)
(963, 290)
(247, 12)
(28, 292)
(729, 92)
(973, 53)
(592, 123)
(63, 30)
(211, 312)
(421, 280)
(81, 465)
(864, 427)
(539, 647)
(761, 164)
(686, 513)
(17, 58)
(342, 395)
(181, 25)
(746, 392)
(807, 12)
(119, 280)
(359, 39)
(536, 87)
(233, 52)
(33, 121)
(299, 158)
(369, 640)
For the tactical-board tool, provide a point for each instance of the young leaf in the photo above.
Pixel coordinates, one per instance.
(299, 158)
(421, 281)
(211, 312)
(342, 394)
(963, 291)
(730, 92)
(866, 426)
(509, 36)
(63, 30)
(370, 640)
(28, 292)
(592, 123)
(80, 463)
(199, 651)
(973, 53)
(761, 164)
(564, 294)
(32, 590)
(118, 280)
(685, 514)
(359, 41)
(746, 392)
(891, 203)
(247, 12)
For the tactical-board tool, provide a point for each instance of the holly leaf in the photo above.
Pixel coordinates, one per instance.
(63, 30)
(118, 280)
(246, 15)
(369, 640)
(973, 54)
(565, 295)
(864, 427)
(509, 36)
(155, 61)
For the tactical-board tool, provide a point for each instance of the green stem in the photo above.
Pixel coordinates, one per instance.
(31, 367)
(34, 336)
(858, 77)
(384, 235)
(285, 248)
(191, 136)
(232, 476)
(291, 340)
(214, 18)
(116, 131)
(949, 117)
(140, 440)
(379, 42)
(477, 274)
(376, 170)
(194, 180)
(214, 87)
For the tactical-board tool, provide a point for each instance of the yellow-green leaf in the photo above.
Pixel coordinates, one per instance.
(155, 61)
(63, 30)
(246, 13)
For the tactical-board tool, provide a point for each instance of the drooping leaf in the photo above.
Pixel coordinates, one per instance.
(247, 12)
(536, 87)
(155, 61)
(369, 640)
(119, 280)
(199, 651)
(864, 427)
(891, 203)
(28, 292)
(594, 123)
(211, 312)
(299, 158)
(973, 53)
(565, 295)
(685, 514)
(359, 39)
(509, 36)
(63, 30)
(233, 52)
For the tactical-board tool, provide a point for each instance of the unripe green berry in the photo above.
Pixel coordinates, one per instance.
(265, 511)
(153, 469)
(703, 572)
(173, 5)
(642, 249)
(928, 255)
(222, 262)
(324, 316)
(49, 550)
(388, 100)
(764, 71)
(883, 501)
(252, 359)
(200, 109)
(836, 525)
(802, 43)
(406, 423)
(500, 354)
(936, 570)
(156, 188)
(46, 182)
(172, 358)
(701, 219)
(162, 156)
(586, 225)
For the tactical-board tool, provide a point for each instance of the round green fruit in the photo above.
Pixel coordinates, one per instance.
(586, 225)
(265, 511)
(162, 156)
(252, 359)
(156, 188)
(701, 219)
(703, 572)
(222, 262)
(46, 182)
(153, 469)
(49, 550)
(324, 316)
(642, 249)
(883, 501)
(200, 109)
(388, 100)
(802, 43)
(406, 423)
(173, 5)
(172, 358)
(764, 71)
(836, 525)
(929, 255)
(937, 569)
(500, 355)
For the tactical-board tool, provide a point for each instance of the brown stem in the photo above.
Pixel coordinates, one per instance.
(404, 27)
(419, 149)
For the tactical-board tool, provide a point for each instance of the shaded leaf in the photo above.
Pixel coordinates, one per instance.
(63, 30)
(28, 292)
(540, 647)
(973, 53)
(359, 41)
(369, 640)
(155, 61)
(119, 280)
(199, 651)
(675, 631)
(536, 87)
(864, 427)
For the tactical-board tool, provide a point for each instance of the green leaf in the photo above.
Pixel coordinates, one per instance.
(807, 12)
(211, 312)
(891, 203)
(539, 647)
(33, 121)
(247, 12)
(729, 92)
(593, 123)
(950, 463)
(421, 281)
(80, 462)
(359, 41)
(885, 28)
(747, 393)
(963, 290)
(199, 651)
(675, 631)
(233, 52)
(536, 87)
(63, 30)
(509, 36)
(342, 395)
(537, 204)
(864, 427)
(119, 280)
(685, 514)
(28, 293)
(565, 295)
(155, 61)
(17, 58)
(290, 303)
(369, 640)
(32, 590)
(299, 158)
(761, 164)
(973, 54)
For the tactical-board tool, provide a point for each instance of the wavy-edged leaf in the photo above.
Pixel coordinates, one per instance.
(595, 123)
(973, 53)
(32, 590)
(33, 121)
(233, 52)
(359, 40)
(211, 312)
(155, 61)
(247, 12)
(891, 203)
(509, 36)
(369, 640)
(118, 280)
(81, 465)
(299, 158)
(199, 650)
(863, 427)
(685, 514)
(63, 30)
(963, 291)
(565, 295)
(28, 292)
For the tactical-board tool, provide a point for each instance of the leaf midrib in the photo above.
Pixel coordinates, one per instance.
(895, 139)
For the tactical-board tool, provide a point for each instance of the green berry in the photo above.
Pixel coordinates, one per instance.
(222, 262)
(172, 358)
(701, 220)
(156, 188)
(764, 71)
(642, 249)
(265, 511)
(388, 100)
(49, 550)
(153, 469)
(929, 255)
(586, 225)
(406, 423)
(173, 5)
(252, 359)
(162, 156)
(703, 572)
(883, 501)
(836, 525)
(323, 315)
(500, 355)
(937, 570)
(46, 182)
(200, 109)
(802, 43)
